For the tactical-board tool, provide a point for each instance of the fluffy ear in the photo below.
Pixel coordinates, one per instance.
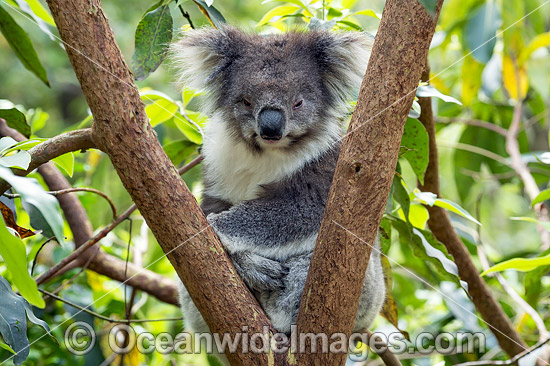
(343, 58)
(201, 55)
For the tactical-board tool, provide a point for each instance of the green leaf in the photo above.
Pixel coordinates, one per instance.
(429, 5)
(179, 151)
(385, 235)
(14, 311)
(33, 194)
(25, 145)
(454, 207)
(416, 145)
(14, 254)
(20, 159)
(65, 162)
(519, 264)
(350, 25)
(544, 224)
(161, 110)
(21, 44)
(190, 130)
(541, 197)
(153, 36)
(367, 12)
(481, 29)
(24, 5)
(6, 347)
(541, 40)
(38, 10)
(16, 120)
(401, 196)
(278, 11)
(212, 14)
(5, 144)
(430, 91)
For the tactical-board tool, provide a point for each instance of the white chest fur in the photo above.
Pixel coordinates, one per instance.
(236, 174)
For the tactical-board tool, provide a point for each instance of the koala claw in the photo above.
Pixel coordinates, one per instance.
(258, 272)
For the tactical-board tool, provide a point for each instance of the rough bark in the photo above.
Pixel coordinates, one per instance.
(121, 129)
(364, 173)
(440, 225)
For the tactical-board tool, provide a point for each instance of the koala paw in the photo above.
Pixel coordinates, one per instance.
(260, 273)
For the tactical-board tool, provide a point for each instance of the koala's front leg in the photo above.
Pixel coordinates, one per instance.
(259, 236)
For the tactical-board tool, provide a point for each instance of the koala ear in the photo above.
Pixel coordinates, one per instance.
(343, 58)
(202, 55)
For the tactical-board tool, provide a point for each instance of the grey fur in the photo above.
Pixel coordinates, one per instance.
(266, 201)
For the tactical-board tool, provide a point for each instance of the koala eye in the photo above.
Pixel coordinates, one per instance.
(298, 104)
(247, 103)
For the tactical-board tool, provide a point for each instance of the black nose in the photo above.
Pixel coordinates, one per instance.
(271, 123)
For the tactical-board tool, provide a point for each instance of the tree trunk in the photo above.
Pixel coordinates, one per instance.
(364, 173)
(122, 130)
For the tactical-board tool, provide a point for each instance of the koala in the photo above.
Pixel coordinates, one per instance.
(277, 106)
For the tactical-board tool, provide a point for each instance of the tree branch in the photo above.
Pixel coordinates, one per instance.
(49, 149)
(122, 130)
(440, 225)
(364, 173)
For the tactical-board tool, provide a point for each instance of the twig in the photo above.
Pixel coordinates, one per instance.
(76, 189)
(531, 187)
(51, 148)
(103, 317)
(57, 269)
(512, 361)
(440, 225)
(186, 16)
(473, 122)
(387, 356)
(38, 252)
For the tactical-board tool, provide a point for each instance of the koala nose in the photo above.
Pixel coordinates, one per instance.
(271, 123)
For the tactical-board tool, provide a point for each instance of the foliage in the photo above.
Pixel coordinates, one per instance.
(488, 58)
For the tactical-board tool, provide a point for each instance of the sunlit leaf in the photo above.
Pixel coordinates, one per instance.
(179, 151)
(161, 110)
(401, 196)
(514, 76)
(14, 254)
(541, 197)
(367, 12)
(278, 11)
(540, 40)
(21, 44)
(519, 264)
(65, 162)
(430, 91)
(153, 36)
(471, 79)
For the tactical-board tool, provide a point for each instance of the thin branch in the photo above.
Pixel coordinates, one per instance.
(57, 270)
(52, 148)
(512, 361)
(531, 187)
(440, 225)
(387, 356)
(186, 16)
(76, 189)
(103, 317)
(472, 122)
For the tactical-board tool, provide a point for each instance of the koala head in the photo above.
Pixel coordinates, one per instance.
(275, 91)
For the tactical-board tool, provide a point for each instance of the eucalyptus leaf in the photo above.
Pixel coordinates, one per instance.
(430, 91)
(481, 29)
(65, 162)
(33, 194)
(14, 254)
(14, 311)
(213, 15)
(416, 145)
(16, 120)
(20, 159)
(153, 36)
(21, 44)
(519, 264)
